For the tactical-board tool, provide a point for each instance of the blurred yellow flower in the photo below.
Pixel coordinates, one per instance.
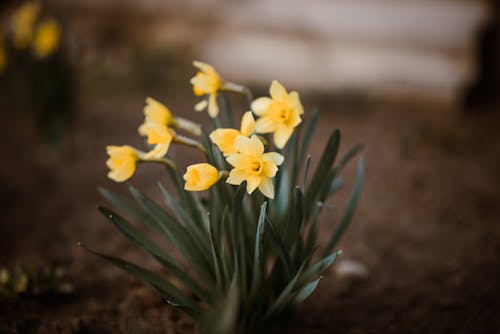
(279, 114)
(160, 136)
(157, 113)
(47, 38)
(207, 82)
(3, 56)
(225, 138)
(200, 177)
(251, 164)
(122, 162)
(23, 21)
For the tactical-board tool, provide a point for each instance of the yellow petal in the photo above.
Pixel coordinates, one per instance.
(249, 146)
(266, 187)
(201, 105)
(269, 169)
(265, 125)
(236, 160)
(276, 158)
(200, 177)
(158, 151)
(295, 102)
(278, 92)
(157, 112)
(260, 106)
(224, 139)
(204, 67)
(247, 124)
(236, 176)
(282, 135)
(253, 182)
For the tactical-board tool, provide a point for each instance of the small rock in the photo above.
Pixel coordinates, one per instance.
(351, 269)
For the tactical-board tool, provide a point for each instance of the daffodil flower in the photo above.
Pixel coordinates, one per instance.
(225, 138)
(160, 136)
(122, 162)
(157, 113)
(207, 82)
(279, 114)
(254, 166)
(200, 177)
(47, 38)
(23, 21)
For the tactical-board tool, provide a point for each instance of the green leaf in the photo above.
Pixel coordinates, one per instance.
(322, 171)
(258, 264)
(311, 125)
(151, 248)
(306, 291)
(130, 207)
(350, 154)
(316, 269)
(191, 250)
(349, 211)
(283, 251)
(173, 295)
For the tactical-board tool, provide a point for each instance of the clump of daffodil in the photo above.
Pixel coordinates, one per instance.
(122, 162)
(207, 82)
(251, 164)
(23, 22)
(200, 177)
(279, 114)
(252, 254)
(47, 38)
(225, 138)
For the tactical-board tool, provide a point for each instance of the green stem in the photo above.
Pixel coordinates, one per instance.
(179, 139)
(187, 125)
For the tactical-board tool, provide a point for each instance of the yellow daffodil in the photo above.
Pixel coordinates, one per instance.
(251, 164)
(22, 24)
(279, 114)
(122, 162)
(207, 82)
(47, 38)
(225, 138)
(157, 113)
(200, 177)
(160, 136)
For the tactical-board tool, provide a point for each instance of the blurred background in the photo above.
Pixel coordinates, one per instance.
(416, 81)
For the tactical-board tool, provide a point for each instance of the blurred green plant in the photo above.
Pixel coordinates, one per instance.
(244, 259)
(34, 70)
(20, 281)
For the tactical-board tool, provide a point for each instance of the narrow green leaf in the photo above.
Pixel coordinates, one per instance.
(316, 269)
(349, 211)
(191, 250)
(311, 125)
(258, 264)
(151, 248)
(350, 154)
(174, 296)
(306, 291)
(327, 160)
(283, 251)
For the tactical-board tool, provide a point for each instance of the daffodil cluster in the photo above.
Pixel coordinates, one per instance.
(30, 30)
(251, 257)
(243, 149)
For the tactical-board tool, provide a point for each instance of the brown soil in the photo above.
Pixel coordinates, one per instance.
(427, 227)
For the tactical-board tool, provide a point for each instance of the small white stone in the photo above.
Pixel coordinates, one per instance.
(351, 269)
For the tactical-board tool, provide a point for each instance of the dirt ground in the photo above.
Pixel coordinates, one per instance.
(427, 228)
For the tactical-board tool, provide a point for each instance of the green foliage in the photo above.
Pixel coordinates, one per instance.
(242, 260)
